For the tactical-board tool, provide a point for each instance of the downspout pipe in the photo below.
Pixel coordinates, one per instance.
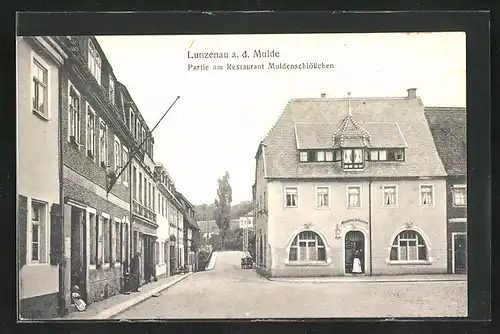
(370, 224)
(62, 265)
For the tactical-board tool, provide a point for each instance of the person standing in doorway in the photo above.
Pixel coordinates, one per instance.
(356, 264)
(134, 272)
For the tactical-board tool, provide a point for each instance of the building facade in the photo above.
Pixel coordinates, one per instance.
(38, 174)
(94, 142)
(190, 229)
(342, 177)
(89, 196)
(449, 130)
(143, 189)
(247, 221)
(167, 209)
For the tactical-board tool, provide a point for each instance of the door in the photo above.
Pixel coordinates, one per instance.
(460, 253)
(78, 251)
(142, 250)
(354, 241)
(172, 259)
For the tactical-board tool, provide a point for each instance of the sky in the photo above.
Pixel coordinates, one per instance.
(222, 115)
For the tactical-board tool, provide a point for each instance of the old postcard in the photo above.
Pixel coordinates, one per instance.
(242, 176)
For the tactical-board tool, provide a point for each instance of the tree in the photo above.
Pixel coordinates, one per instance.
(197, 242)
(215, 241)
(222, 213)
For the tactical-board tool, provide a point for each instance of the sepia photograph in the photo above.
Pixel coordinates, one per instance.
(265, 176)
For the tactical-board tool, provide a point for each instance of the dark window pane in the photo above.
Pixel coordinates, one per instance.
(294, 242)
(422, 253)
(321, 254)
(394, 253)
(34, 251)
(412, 242)
(35, 233)
(320, 241)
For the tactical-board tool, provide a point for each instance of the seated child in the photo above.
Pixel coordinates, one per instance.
(76, 298)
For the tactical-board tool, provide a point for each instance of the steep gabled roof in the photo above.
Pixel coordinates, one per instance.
(421, 157)
(209, 226)
(319, 135)
(449, 130)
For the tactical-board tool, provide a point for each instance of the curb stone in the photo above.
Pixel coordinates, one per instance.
(381, 280)
(113, 311)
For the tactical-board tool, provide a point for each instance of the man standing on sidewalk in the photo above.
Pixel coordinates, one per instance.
(134, 272)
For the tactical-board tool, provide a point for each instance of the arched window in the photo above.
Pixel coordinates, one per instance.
(408, 246)
(307, 246)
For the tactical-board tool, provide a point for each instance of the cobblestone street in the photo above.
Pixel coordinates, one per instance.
(231, 292)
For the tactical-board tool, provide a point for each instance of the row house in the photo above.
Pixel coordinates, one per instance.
(95, 145)
(38, 174)
(88, 194)
(143, 208)
(190, 229)
(176, 225)
(208, 228)
(167, 209)
(336, 177)
(449, 130)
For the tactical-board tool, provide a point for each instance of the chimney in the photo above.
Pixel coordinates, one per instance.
(412, 93)
(323, 94)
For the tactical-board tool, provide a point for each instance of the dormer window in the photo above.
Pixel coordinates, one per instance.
(329, 156)
(352, 158)
(94, 61)
(387, 154)
(320, 156)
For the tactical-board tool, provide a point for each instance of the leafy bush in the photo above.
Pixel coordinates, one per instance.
(203, 259)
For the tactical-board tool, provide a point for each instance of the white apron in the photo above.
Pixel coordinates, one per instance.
(356, 266)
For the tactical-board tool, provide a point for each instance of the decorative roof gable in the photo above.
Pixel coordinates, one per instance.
(350, 133)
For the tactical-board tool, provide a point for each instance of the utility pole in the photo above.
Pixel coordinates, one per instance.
(114, 178)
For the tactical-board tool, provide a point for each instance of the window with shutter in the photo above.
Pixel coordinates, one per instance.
(100, 245)
(23, 229)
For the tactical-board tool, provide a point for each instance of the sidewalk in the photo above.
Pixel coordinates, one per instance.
(112, 306)
(213, 260)
(372, 279)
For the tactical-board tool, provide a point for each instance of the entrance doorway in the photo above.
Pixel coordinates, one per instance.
(173, 264)
(354, 241)
(78, 251)
(459, 253)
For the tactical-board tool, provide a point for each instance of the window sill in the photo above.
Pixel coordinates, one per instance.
(427, 206)
(354, 207)
(323, 208)
(420, 262)
(307, 264)
(42, 116)
(105, 265)
(291, 207)
(38, 264)
(75, 144)
(92, 267)
(389, 206)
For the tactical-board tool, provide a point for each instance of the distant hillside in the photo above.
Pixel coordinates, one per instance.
(206, 211)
